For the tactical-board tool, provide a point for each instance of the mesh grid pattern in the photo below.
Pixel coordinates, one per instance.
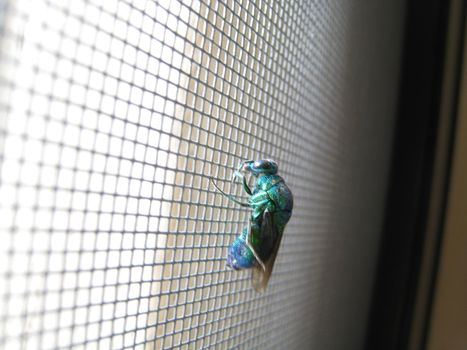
(114, 115)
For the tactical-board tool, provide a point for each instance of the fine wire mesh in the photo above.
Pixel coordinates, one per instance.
(113, 117)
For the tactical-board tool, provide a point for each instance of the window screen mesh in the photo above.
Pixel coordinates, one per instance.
(113, 117)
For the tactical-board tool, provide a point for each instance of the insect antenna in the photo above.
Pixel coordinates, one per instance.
(232, 198)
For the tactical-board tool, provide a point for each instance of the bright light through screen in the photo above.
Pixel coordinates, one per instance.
(81, 91)
(115, 115)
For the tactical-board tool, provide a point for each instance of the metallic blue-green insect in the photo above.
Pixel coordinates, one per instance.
(271, 202)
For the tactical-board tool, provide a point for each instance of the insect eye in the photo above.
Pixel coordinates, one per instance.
(265, 165)
(258, 164)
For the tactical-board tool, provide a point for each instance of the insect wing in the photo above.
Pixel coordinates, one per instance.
(260, 276)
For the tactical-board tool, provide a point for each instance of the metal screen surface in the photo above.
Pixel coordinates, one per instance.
(114, 115)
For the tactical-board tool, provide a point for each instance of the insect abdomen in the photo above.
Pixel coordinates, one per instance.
(240, 256)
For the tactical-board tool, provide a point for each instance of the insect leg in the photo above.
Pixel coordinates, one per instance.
(232, 198)
(246, 187)
(244, 182)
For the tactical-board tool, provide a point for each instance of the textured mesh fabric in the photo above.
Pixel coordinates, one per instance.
(113, 117)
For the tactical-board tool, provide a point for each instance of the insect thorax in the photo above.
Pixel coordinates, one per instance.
(265, 182)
